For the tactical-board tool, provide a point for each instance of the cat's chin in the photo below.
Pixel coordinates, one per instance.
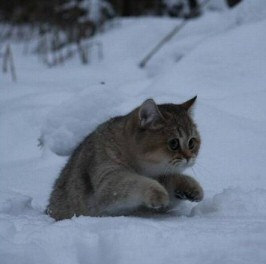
(182, 165)
(164, 168)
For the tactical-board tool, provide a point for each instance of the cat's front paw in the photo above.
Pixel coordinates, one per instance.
(193, 196)
(189, 190)
(156, 197)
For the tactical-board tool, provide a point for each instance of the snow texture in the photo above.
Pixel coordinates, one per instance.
(221, 58)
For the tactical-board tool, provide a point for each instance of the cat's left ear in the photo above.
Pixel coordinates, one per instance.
(189, 105)
(150, 115)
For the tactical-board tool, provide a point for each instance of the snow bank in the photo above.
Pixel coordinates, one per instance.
(72, 120)
(222, 238)
(233, 203)
(16, 204)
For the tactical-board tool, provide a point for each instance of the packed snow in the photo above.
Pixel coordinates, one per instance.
(47, 112)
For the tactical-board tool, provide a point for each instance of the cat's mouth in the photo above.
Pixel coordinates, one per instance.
(182, 162)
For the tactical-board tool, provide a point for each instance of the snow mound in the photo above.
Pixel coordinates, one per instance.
(67, 124)
(70, 122)
(16, 204)
(233, 202)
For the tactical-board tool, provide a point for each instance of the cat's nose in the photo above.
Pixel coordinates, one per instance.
(187, 156)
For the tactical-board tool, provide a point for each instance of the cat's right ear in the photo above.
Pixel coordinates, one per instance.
(150, 116)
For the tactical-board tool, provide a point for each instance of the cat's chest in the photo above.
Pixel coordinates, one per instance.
(154, 170)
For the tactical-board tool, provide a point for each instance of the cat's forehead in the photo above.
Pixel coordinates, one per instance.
(178, 121)
(174, 113)
(180, 131)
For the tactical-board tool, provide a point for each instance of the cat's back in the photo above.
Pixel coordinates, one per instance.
(91, 149)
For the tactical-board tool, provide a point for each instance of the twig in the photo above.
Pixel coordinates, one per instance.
(8, 59)
(165, 39)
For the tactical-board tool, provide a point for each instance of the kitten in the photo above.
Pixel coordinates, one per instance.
(131, 163)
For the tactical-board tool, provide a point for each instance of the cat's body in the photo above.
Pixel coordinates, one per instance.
(131, 163)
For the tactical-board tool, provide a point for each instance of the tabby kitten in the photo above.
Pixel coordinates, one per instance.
(131, 163)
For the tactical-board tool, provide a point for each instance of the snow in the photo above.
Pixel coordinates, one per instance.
(219, 57)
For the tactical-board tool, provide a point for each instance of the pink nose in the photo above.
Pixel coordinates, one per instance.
(187, 156)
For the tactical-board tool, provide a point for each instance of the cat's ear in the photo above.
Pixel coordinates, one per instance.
(189, 105)
(149, 115)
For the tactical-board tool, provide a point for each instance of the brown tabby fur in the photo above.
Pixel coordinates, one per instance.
(126, 165)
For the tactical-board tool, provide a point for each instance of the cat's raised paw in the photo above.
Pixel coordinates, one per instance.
(187, 188)
(156, 197)
(193, 195)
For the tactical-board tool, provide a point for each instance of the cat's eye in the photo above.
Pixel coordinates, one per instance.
(191, 143)
(174, 144)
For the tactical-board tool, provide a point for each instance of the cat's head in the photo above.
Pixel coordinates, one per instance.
(166, 139)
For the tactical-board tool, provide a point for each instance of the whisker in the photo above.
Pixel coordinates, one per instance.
(164, 175)
(173, 167)
(204, 168)
(193, 171)
(176, 162)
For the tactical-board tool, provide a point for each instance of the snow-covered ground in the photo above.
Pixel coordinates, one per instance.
(221, 57)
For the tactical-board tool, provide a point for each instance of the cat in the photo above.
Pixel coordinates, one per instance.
(131, 163)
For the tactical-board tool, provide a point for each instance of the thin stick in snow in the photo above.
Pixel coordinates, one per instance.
(161, 43)
(8, 60)
(176, 29)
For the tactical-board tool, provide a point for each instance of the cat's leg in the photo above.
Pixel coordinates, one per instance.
(187, 188)
(182, 187)
(123, 191)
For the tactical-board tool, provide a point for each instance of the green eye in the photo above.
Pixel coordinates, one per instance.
(174, 144)
(191, 143)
